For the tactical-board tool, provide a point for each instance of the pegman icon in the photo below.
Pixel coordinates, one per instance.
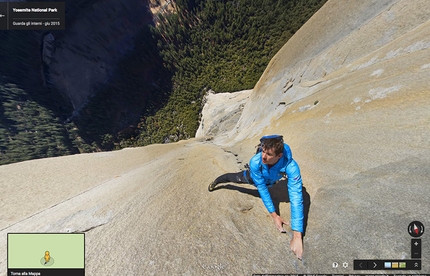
(47, 257)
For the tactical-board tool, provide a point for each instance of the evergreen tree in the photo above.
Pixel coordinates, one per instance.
(220, 45)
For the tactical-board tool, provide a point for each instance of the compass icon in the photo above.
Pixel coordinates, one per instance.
(416, 229)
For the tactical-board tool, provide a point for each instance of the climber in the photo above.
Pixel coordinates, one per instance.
(272, 161)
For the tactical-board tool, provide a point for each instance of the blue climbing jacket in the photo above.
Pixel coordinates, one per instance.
(264, 177)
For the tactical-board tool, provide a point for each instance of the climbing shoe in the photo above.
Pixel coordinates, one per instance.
(211, 186)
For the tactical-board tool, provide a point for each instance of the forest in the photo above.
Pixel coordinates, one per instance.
(199, 45)
(222, 46)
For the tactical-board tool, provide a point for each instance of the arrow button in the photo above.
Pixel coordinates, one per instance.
(360, 264)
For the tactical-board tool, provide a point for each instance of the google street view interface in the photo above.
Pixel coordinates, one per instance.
(64, 253)
(46, 254)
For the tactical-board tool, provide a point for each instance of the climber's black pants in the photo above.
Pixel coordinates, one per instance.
(242, 177)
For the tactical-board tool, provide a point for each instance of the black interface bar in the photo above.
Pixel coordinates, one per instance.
(337, 274)
(47, 272)
(416, 248)
(32, 16)
(387, 265)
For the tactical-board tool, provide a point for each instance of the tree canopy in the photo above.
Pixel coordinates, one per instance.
(155, 94)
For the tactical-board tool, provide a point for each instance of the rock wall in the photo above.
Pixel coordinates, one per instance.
(335, 44)
(350, 94)
(82, 58)
(221, 111)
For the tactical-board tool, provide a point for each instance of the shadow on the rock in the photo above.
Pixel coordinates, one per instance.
(278, 192)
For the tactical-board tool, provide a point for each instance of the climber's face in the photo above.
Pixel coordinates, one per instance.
(269, 157)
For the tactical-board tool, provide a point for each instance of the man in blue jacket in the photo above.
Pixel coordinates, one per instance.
(265, 169)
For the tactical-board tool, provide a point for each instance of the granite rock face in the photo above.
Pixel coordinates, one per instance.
(349, 92)
(221, 111)
(82, 59)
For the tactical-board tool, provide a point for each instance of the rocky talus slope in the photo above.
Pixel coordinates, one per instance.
(350, 92)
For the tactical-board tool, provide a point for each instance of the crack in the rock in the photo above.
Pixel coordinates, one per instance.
(89, 229)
